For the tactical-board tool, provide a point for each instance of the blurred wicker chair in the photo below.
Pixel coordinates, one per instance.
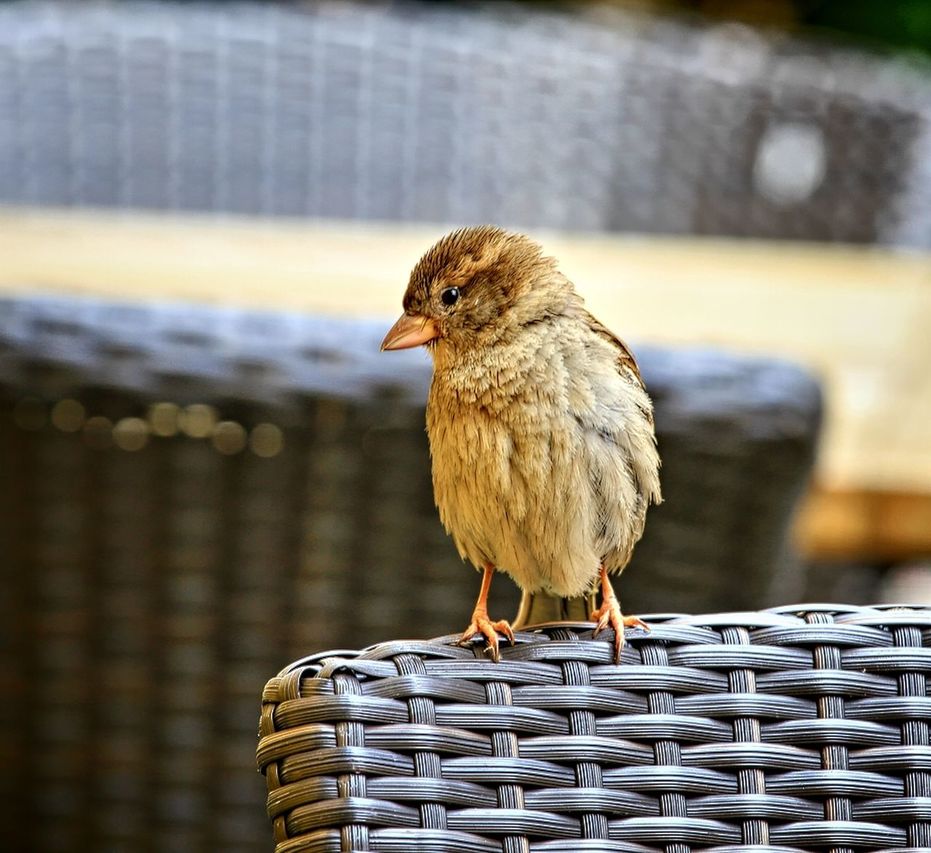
(497, 112)
(192, 495)
(798, 729)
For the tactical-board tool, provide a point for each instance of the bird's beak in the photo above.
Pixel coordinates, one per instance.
(411, 330)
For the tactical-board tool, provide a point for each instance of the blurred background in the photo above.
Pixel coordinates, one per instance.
(208, 212)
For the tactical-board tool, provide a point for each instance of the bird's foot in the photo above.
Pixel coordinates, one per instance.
(482, 625)
(610, 614)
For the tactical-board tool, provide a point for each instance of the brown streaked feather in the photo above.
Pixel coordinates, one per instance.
(625, 358)
(626, 363)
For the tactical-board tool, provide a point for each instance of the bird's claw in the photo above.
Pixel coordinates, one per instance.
(481, 624)
(610, 614)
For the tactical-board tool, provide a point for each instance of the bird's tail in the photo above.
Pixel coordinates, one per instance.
(537, 607)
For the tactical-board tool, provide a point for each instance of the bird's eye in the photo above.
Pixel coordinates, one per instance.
(450, 296)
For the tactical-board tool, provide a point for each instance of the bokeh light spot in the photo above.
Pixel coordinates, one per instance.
(163, 418)
(198, 420)
(98, 432)
(229, 437)
(266, 440)
(131, 434)
(68, 415)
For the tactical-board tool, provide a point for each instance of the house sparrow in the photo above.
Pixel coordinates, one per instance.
(541, 432)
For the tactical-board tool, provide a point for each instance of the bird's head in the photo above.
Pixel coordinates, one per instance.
(475, 287)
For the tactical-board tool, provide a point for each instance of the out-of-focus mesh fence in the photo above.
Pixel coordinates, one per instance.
(603, 121)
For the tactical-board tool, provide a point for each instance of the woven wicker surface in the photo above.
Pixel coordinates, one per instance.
(496, 112)
(158, 569)
(795, 729)
(354, 446)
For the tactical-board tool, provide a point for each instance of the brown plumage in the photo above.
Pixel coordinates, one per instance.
(541, 431)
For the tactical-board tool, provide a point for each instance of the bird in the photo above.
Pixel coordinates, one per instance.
(543, 450)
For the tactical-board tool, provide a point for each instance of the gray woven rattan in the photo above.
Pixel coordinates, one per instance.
(150, 588)
(789, 730)
(495, 112)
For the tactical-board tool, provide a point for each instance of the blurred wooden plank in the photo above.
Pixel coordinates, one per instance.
(859, 317)
(881, 526)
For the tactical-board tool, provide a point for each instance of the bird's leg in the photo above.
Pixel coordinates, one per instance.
(481, 624)
(610, 614)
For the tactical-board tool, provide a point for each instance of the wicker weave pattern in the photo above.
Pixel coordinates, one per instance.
(356, 450)
(148, 593)
(496, 113)
(794, 729)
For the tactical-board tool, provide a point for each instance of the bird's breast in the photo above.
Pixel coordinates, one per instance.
(542, 466)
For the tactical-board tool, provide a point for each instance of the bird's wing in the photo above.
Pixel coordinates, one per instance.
(626, 363)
